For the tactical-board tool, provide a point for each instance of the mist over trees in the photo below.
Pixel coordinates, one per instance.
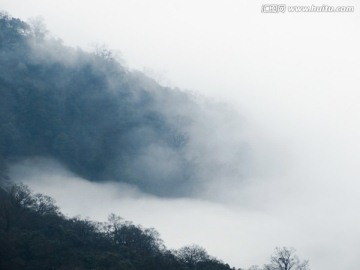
(100, 120)
(104, 123)
(34, 234)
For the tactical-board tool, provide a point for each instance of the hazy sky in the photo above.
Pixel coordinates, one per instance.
(295, 80)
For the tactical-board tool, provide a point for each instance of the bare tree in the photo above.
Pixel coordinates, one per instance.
(191, 255)
(21, 195)
(44, 205)
(285, 259)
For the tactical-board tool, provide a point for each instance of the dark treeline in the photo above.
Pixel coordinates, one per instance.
(87, 111)
(35, 235)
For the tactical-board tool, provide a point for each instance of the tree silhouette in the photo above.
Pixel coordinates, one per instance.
(35, 235)
(191, 255)
(285, 259)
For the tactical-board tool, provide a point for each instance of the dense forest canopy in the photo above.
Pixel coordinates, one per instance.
(35, 235)
(87, 111)
(103, 121)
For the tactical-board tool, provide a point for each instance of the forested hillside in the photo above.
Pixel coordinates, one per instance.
(35, 235)
(102, 122)
(87, 111)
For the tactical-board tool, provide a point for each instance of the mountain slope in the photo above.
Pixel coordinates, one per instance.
(100, 120)
(35, 235)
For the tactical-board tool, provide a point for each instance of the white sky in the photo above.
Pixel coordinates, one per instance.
(294, 77)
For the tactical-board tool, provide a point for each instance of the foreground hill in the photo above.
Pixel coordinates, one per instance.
(35, 235)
